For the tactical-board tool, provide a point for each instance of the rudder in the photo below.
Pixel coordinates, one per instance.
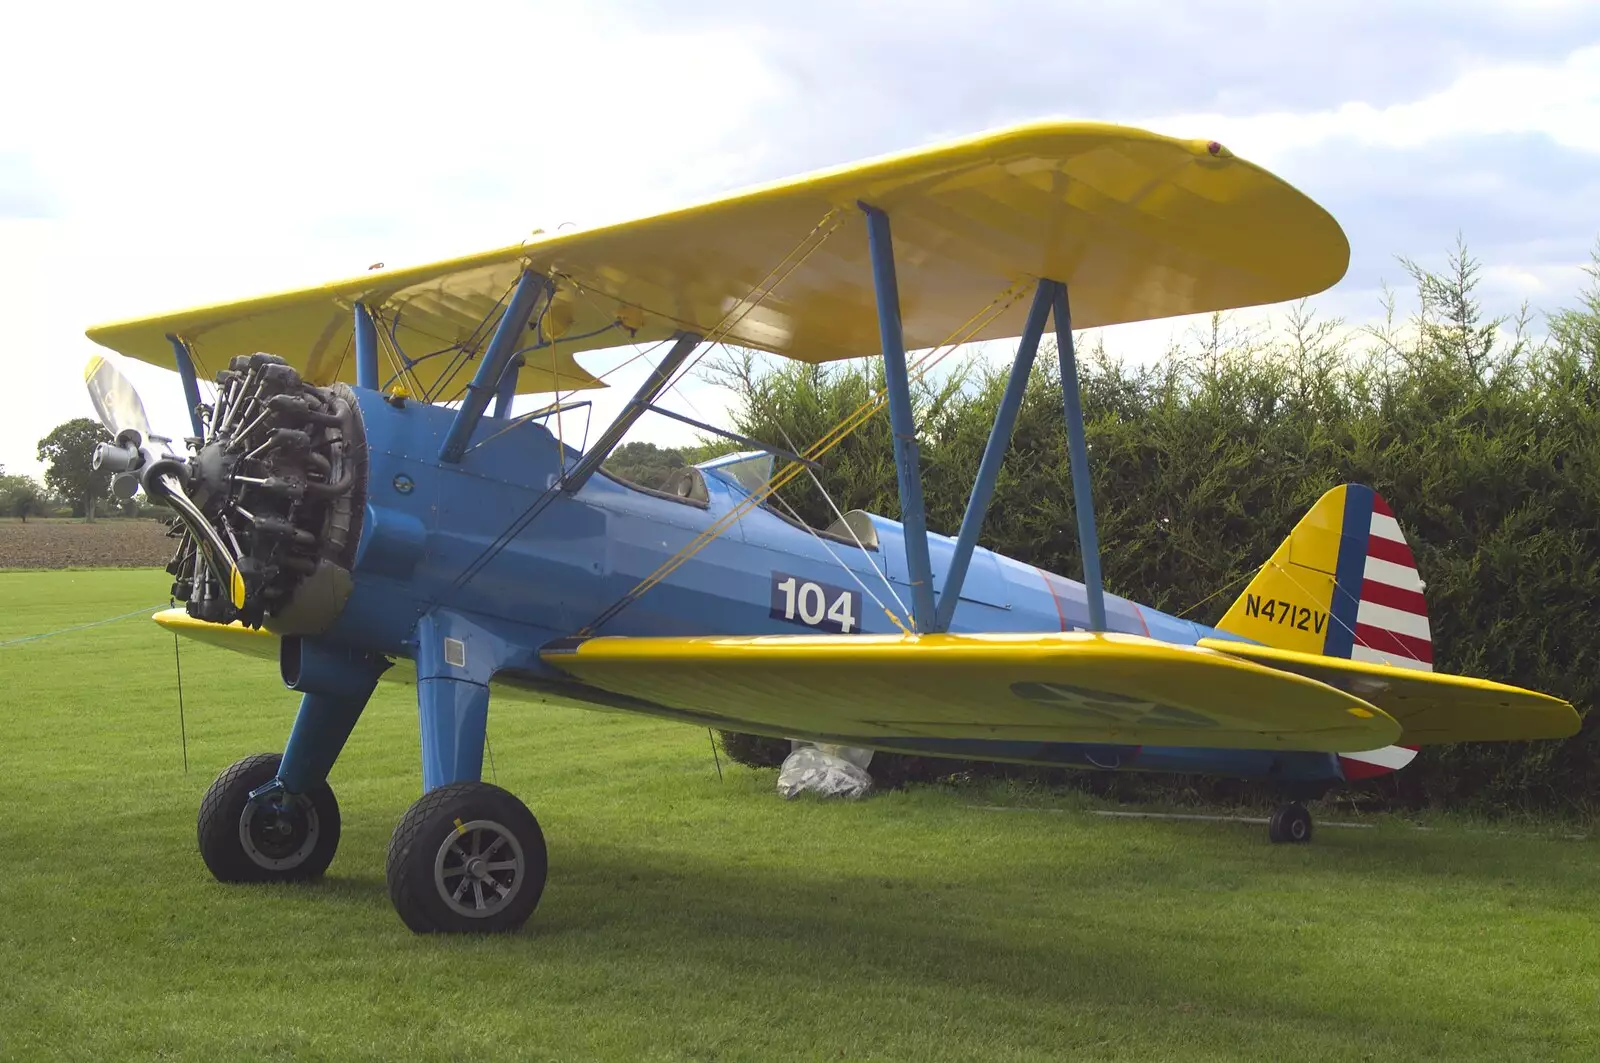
(1343, 584)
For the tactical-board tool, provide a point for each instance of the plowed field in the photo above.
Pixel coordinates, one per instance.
(107, 543)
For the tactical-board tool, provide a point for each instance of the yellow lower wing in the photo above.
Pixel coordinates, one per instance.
(1432, 707)
(1067, 687)
(256, 642)
(235, 636)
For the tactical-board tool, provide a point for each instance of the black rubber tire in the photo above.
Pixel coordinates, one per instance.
(414, 856)
(222, 810)
(1290, 824)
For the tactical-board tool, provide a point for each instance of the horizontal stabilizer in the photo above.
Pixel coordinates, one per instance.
(1065, 687)
(1432, 707)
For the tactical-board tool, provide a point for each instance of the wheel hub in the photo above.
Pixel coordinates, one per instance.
(479, 869)
(278, 832)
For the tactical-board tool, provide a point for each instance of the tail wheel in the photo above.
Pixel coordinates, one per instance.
(1290, 823)
(278, 837)
(468, 858)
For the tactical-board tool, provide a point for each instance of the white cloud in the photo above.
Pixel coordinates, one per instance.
(1561, 102)
(198, 155)
(201, 152)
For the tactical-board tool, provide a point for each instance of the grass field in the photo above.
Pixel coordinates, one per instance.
(692, 919)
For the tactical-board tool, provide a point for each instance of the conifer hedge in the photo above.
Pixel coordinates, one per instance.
(1484, 439)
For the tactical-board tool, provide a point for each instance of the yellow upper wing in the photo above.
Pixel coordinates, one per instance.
(1432, 707)
(1139, 226)
(1067, 687)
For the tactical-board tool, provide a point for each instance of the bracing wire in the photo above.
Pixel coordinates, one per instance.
(1234, 582)
(1359, 641)
(183, 727)
(807, 246)
(563, 396)
(887, 585)
(729, 320)
(468, 348)
(79, 627)
(527, 516)
(893, 619)
(971, 327)
(397, 360)
(715, 756)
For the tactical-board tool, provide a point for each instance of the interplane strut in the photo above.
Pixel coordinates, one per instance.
(913, 514)
(683, 346)
(191, 384)
(1050, 297)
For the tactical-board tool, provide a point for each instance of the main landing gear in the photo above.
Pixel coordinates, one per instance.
(1290, 823)
(466, 858)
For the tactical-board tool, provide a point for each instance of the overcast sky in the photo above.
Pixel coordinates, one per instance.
(161, 155)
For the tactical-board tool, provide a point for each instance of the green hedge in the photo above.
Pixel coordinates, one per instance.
(1485, 441)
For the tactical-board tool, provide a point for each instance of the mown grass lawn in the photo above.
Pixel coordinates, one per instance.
(688, 918)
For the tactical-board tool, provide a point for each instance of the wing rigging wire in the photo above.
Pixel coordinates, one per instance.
(893, 619)
(401, 365)
(804, 248)
(536, 507)
(888, 586)
(1359, 641)
(549, 407)
(467, 349)
(963, 333)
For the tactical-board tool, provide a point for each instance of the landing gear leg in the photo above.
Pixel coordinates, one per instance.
(1290, 823)
(272, 818)
(468, 857)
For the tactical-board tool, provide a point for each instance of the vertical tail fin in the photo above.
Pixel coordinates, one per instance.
(1343, 584)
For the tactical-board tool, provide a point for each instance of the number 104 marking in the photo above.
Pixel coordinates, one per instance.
(818, 605)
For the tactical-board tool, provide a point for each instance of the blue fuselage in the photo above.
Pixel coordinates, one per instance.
(427, 525)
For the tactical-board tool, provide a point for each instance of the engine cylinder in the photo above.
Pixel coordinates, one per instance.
(281, 475)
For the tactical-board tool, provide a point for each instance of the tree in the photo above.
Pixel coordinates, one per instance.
(69, 451)
(1485, 439)
(20, 496)
(651, 466)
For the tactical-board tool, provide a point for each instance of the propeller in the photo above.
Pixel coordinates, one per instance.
(115, 399)
(163, 477)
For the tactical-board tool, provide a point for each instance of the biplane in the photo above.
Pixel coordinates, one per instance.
(359, 502)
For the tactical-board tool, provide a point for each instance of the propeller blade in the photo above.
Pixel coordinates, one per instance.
(115, 400)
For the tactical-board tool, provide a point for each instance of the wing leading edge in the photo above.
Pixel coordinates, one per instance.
(1068, 687)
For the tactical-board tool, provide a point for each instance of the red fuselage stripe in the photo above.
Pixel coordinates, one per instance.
(1050, 586)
